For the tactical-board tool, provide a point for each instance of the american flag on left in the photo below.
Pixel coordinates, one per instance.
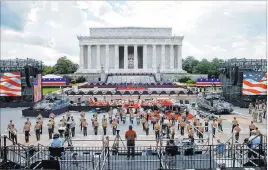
(10, 84)
(254, 83)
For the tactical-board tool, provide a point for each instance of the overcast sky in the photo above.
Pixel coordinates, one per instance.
(48, 30)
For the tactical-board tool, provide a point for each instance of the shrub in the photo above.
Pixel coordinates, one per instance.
(184, 79)
(81, 79)
(190, 82)
(73, 81)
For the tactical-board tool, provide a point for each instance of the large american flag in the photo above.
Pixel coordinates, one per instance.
(10, 84)
(38, 88)
(254, 83)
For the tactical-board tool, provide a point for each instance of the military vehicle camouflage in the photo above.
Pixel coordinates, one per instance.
(213, 102)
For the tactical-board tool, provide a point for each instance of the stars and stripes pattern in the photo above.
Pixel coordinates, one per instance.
(37, 88)
(254, 83)
(208, 82)
(10, 84)
(55, 82)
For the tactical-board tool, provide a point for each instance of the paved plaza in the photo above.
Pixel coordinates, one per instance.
(95, 140)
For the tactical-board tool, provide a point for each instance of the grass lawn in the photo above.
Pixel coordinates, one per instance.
(50, 89)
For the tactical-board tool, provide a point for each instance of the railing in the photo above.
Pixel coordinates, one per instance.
(146, 157)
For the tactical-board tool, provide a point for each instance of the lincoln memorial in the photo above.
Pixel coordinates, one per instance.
(130, 50)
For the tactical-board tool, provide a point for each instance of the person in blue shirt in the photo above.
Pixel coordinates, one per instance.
(220, 149)
(254, 141)
(57, 142)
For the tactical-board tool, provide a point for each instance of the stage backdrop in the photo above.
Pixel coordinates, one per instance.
(38, 88)
(10, 84)
(254, 83)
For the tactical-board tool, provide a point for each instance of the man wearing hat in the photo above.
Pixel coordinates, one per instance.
(56, 142)
(130, 136)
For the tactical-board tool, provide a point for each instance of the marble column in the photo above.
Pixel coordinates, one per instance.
(98, 58)
(163, 57)
(145, 56)
(154, 58)
(116, 54)
(89, 57)
(179, 58)
(171, 64)
(135, 57)
(107, 64)
(81, 63)
(125, 57)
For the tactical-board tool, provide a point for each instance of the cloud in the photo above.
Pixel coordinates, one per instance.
(48, 30)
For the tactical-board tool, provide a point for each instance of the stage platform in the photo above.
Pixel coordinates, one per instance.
(30, 112)
(15, 104)
(103, 108)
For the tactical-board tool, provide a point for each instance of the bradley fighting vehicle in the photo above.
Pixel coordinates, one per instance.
(213, 102)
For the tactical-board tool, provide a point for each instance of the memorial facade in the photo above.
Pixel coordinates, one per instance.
(130, 50)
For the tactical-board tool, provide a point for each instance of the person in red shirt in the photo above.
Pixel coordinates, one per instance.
(130, 137)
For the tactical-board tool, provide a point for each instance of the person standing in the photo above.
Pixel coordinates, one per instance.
(234, 123)
(14, 132)
(29, 122)
(206, 123)
(182, 125)
(146, 127)
(264, 109)
(191, 134)
(72, 126)
(130, 136)
(53, 124)
(251, 127)
(84, 126)
(50, 129)
(237, 131)
(114, 126)
(9, 127)
(157, 130)
(260, 115)
(37, 130)
(168, 128)
(179, 122)
(220, 124)
(26, 130)
(214, 126)
(96, 125)
(255, 115)
(143, 121)
(153, 120)
(40, 122)
(104, 125)
(250, 108)
(82, 117)
(201, 131)
(39, 116)
(173, 132)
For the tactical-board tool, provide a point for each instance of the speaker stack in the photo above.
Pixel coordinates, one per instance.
(27, 76)
(235, 75)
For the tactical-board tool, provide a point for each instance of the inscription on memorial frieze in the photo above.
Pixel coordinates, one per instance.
(130, 31)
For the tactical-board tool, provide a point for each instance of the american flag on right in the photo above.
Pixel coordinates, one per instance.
(254, 83)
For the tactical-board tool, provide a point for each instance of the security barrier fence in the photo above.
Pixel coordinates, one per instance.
(203, 157)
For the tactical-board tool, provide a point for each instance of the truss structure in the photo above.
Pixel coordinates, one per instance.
(17, 65)
(232, 92)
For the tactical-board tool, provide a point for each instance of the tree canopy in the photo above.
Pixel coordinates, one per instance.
(194, 66)
(63, 66)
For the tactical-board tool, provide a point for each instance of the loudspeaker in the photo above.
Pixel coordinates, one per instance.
(189, 152)
(99, 79)
(35, 72)
(27, 76)
(227, 73)
(51, 164)
(235, 75)
(240, 78)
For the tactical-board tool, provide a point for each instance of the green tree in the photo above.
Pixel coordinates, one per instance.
(47, 70)
(189, 63)
(64, 66)
(202, 67)
(213, 70)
